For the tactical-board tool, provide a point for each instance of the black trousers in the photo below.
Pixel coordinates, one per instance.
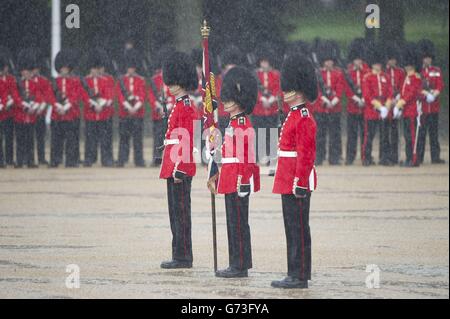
(389, 140)
(2, 140)
(265, 123)
(40, 131)
(223, 124)
(24, 144)
(238, 230)
(9, 141)
(65, 141)
(99, 133)
(158, 140)
(131, 128)
(409, 133)
(328, 127)
(355, 130)
(430, 126)
(371, 127)
(179, 200)
(298, 235)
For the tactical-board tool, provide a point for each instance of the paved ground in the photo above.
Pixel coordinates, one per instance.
(113, 224)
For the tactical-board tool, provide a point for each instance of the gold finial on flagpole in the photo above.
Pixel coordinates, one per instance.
(205, 29)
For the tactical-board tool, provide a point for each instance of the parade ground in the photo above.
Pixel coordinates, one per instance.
(112, 225)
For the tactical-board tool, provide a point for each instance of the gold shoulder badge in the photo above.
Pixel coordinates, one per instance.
(241, 120)
(187, 102)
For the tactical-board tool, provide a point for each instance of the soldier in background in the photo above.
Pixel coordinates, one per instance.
(295, 177)
(66, 113)
(131, 110)
(239, 175)
(328, 106)
(45, 87)
(9, 97)
(178, 166)
(391, 127)
(357, 69)
(377, 93)
(432, 88)
(159, 96)
(265, 116)
(99, 112)
(407, 106)
(25, 110)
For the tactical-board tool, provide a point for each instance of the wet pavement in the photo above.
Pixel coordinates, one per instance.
(113, 224)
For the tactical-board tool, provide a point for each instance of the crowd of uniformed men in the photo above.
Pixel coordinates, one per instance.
(386, 87)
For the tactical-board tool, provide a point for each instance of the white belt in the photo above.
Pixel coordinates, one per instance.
(230, 160)
(171, 142)
(287, 153)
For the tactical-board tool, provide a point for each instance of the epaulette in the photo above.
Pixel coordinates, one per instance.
(241, 120)
(186, 100)
(305, 112)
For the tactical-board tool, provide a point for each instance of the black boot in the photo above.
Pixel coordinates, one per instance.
(438, 161)
(231, 272)
(175, 264)
(290, 283)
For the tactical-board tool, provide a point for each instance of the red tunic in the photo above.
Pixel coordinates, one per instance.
(161, 89)
(270, 82)
(411, 93)
(103, 87)
(432, 78)
(69, 87)
(45, 87)
(357, 76)
(297, 153)
(334, 81)
(33, 93)
(179, 140)
(238, 157)
(375, 87)
(135, 86)
(9, 96)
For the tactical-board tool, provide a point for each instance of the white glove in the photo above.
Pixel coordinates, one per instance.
(265, 102)
(159, 108)
(127, 105)
(26, 105)
(42, 107)
(384, 111)
(137, 106)
(326, 101)
(131, 98)
(1, 107)
(10, 102)
(67, 106)
(335, 101)
(430, 98)
(272, 99)
(358, 100)
(397, 113)
(34, 106)
(93, 103)
(59, 108)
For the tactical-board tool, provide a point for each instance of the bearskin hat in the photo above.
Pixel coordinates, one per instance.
(392, 51)
(5, 57)
(26, 60)
(197, 56)
(265, 52)
(376, 54)
(161, 55)
(427, 49)
(240, 86)
(232, 55)
(179, 69)
(132, 59)
(65, 58)
(411, 55)
(298, 74)
(326, 50)
(357, 49)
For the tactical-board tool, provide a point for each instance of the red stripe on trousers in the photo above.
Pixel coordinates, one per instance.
(413, 139)
(366, 127)
(239, 231)
(184, 218)
(302, 273)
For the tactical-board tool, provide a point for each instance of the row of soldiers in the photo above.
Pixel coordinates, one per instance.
(376, 81)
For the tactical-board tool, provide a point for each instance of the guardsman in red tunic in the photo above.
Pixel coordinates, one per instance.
(178, 166)
(357, 69)
(433, 86)
(409, 104)
(396, 76)
(25, 111)
(66, 112)
(329, 107)
(44, 85)
(239, 175)
(377, 93)
(8, 98)
(98, 114)
(158, 96)
(131, 93)
(295, 177)
(266, 116)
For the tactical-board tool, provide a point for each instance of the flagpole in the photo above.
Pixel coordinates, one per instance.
(206, 71)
